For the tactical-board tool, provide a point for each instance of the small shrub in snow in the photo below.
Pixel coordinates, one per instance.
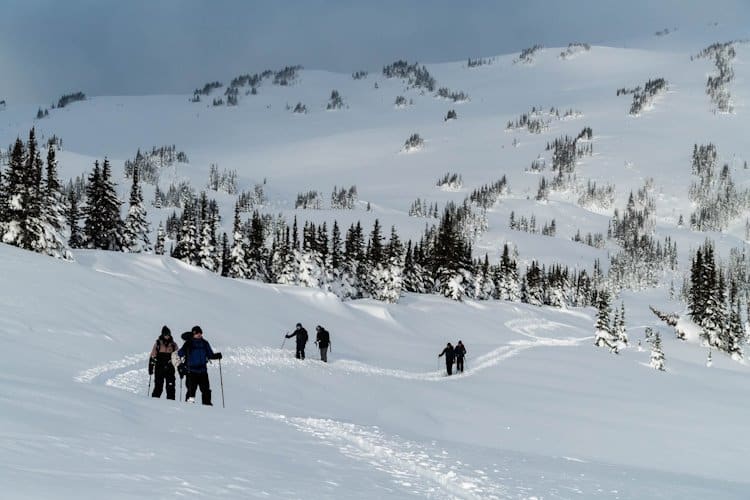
(413, 143)
(359, 75)
(480, 61)
(450, 182)
(69, 98)
(451, 115)
(344, 198)
(222, 181)
(574, 49)
(527, 55)
(309, 200)
(335, 101)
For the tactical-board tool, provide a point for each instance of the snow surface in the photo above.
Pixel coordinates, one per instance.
(540, 413)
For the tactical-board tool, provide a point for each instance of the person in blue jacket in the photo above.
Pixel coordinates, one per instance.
(196, 351)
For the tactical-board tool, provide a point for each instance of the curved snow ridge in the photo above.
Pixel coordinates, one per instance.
(87, 376)
(430, 473)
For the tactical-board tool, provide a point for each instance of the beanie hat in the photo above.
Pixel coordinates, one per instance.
(165, 331)
(196, 329)
(299, 325)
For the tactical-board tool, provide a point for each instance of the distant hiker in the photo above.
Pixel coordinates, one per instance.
(301, 338)
(323, 339)
(450, 354)
(196, 351)
(159, 363)
(460, 352)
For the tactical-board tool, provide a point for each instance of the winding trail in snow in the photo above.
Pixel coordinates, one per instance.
(423, 470)
(133, 379)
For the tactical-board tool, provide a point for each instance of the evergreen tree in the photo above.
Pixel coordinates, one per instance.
(51, 240)
(603, 329)
(187, 246)
(657, 354)
(160, 238)
(226, 261)
(136, 224)
(16, 188)
(73, 216)
(103, 227)
(237, 256)
(256, 251)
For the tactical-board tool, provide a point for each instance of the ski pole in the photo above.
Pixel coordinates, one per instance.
(284, 342)
(221, 378)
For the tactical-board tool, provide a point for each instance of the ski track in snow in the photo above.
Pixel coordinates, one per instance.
(429, 473)
(266, 357)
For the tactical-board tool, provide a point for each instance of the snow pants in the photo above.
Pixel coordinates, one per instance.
(164, 374)
(195, 381)
(459, 364)
(324, 354)
(300, 354)
(449, 365)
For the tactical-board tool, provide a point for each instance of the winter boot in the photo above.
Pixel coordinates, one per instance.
(206, 396)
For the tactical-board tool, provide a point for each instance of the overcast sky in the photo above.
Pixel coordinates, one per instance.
(108, 47)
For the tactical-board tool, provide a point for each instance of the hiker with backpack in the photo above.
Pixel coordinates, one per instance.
(159, 364)
(196, 353)
(300, 335)
(449, 357)
(460, 352)
(323, 340)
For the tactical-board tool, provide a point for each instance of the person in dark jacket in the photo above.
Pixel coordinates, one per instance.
(300, 335)
(196, 352)
(160, 363)
(460, 352)
(323, 340)
(449, 357)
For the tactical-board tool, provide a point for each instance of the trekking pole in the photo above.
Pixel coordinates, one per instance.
(221, 378)
(284, 342)
(180, 390)
(148, 392)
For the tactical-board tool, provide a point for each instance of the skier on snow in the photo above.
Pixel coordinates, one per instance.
(196, 351)
(301, 338)
(159, 363)
(449, 357)
(323, 339)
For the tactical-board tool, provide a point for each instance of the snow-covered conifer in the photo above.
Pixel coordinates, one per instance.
(160, 239)
(136, 224)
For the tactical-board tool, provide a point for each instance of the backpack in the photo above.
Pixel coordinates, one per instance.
(325, 338)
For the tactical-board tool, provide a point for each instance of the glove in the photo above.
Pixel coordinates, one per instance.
(182, 369)
(217, 355)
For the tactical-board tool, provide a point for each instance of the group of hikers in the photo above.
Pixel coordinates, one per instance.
(322, 339)
(454, 354)
(191, 360)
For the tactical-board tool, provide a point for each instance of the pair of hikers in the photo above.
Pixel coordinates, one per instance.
(452, 354)
(190, 360)
(322, 339)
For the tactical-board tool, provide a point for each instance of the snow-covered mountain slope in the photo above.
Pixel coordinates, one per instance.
(539, 413)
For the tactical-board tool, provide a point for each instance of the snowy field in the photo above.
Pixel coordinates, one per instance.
(540, 413)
